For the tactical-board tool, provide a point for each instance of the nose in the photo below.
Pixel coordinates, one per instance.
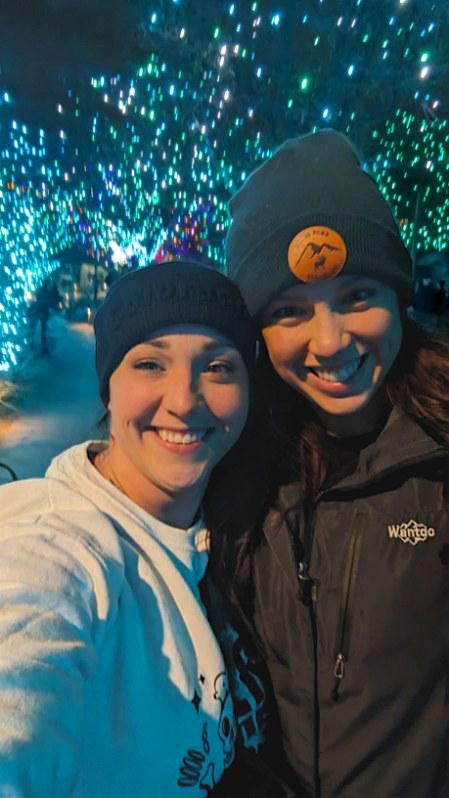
(182, 394)
(328, 333)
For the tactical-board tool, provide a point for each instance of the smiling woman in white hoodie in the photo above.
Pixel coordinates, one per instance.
(111, 680)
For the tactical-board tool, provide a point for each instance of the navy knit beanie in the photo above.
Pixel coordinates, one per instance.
(308, 213)
(165, 294)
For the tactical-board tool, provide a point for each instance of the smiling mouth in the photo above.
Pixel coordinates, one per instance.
(183, 438)
(342, 374)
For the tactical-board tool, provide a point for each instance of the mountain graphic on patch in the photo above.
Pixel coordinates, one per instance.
(316, 253)
(313, 253)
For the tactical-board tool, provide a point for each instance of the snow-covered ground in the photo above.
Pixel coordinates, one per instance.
(56, 401)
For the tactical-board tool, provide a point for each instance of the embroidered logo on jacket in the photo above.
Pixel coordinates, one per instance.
(413, 532)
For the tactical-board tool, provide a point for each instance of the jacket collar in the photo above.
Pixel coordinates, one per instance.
(279, 530)
(402, 441)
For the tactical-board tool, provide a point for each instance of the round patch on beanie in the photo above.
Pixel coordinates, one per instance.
(316, 253)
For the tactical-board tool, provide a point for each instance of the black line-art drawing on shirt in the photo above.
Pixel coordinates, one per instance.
(197, 768)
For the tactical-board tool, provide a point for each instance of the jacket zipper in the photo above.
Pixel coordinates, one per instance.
(306, 583)
(352, 563)
(308, 596)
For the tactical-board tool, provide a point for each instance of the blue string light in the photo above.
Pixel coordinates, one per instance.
(146, 162)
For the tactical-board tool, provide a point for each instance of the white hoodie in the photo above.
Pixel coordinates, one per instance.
(111, 681)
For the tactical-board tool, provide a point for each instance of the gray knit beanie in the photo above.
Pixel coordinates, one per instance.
(308, 213)
(165, 294)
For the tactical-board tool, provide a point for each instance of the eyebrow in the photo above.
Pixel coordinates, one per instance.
(157, 342)
(347, 281)
(160, 343)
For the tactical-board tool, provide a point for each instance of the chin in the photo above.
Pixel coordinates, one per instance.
(346, 407)
(189, 481)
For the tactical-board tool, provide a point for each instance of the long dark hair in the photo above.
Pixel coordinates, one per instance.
(283, 441)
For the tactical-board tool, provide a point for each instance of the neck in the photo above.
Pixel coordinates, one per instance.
(176, 508)
(362, 422)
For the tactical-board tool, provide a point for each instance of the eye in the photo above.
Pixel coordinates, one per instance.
(358, 297)
(285, 313)
(148, 365)
(220, 367)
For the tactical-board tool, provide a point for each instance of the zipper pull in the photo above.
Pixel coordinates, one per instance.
(339, 669)
(306, 584)
(339, 672)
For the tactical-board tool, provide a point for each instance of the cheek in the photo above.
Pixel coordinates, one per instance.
(276, 345)
(232, 406)
(241, 410)
(128, 400)
(385, 331)
(284, 346)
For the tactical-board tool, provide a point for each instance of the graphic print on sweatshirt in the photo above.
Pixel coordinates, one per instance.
(247, 688)
(198, 766)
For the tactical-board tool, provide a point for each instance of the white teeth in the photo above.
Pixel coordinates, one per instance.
(339, 375)
(181, 437)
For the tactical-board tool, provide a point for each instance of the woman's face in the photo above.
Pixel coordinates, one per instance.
(335, 343)
(178, 402)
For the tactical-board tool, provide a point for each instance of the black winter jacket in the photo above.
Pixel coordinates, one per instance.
(353, 614)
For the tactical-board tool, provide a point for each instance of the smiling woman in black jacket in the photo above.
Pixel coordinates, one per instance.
(339, 558)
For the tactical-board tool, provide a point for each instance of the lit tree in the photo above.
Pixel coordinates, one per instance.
(137, 144)
(411, 163)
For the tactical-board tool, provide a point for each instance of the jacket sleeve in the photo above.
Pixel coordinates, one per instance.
(53, 601)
